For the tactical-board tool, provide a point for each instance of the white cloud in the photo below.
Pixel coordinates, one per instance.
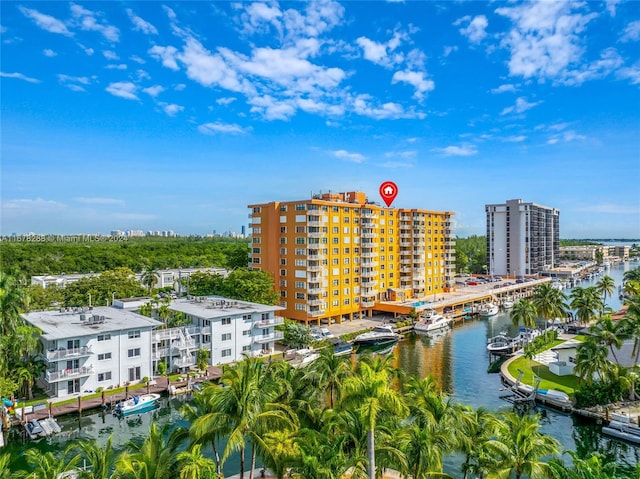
(362, 105)
(475, 29)
(87, 21)
(19, 76)
(126, 90)
(153, 91)
(464, 150)
(137, 59)
(401, 154)
(381, 53)
(566, 136)
(99, 201)
(630, 73)
(448, 50)
(31, 205)
(47, 52)
(116, 66)
(171, 109)
(167, 55)
(514, 138)
(611, 6)
(110, 55)
(74, 83)
(217, 127)
(521, 106)
(225, 101)
(632, 32)
(46, 22)
(348, 156)
(417, 79)
(140, 24)
(504, 88)
(545, 41)
(272, 108)
(611, 208)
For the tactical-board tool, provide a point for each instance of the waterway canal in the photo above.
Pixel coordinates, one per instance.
(458, 359)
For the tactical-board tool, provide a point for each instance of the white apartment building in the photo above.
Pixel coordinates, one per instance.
(165, 277)
(228, 329)
(88, 348)
(522, 238)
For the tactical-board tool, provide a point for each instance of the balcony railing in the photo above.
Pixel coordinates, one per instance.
(316, 234)
(55, 376)
(265, 323)
(68, 353)
(316, 290)
(315, 302)
(160, 353)
(316, 313)
(185, 361)
(316, 268)
(367, 304)
(267, 338)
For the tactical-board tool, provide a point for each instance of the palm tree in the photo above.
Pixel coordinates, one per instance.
(244, 408)
(586, 302)
(13, 301)
(149, 278)
(549, 302)
(521, 447)
(631, 324)
(328, 372)
(200, 406)
(523, 312)
(595, 466)
(371, 395)
(47, 466)
(154, 458)
(607, 332)
(591, 360)
(477, 441)
(193, 465)
(100, 459)
(605, 286)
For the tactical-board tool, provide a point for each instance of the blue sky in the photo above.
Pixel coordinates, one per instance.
(177, 115)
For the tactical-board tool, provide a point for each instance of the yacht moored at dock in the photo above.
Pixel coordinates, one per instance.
(432, 322)
(137, 404)
(488, 309)
(383, 334)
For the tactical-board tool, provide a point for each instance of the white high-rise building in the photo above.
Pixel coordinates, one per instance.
(522, 238)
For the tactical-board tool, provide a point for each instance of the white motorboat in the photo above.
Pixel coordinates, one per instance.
(34, 430)
(503, 344)
(488, 309)
(340, 347)
(623, 430)
(432, 322)
(507, 304)
(303, 357)
(136, 404)
(382, 334)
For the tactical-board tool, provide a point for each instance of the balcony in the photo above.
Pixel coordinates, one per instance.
(368, 274)
(367, 303)
(316, 268)
(265, 323)
(315, 302)
(185, 361)
(315, 257)
(316, 234)
(368, 262)
(316, 313)
(267, 338)
(370, 293)
(369, 214)
(65, 374)
(369, 235)
(316, 290)
(369, 255)
(406, 260)
(60, 354)
(368, 282)
(314, 223)
(367, 244)
(160, 353)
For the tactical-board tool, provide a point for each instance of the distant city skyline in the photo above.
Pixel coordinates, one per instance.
(157, 116)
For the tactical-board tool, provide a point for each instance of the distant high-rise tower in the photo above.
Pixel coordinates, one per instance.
(522, 238)
(243, 231)
(335, 255)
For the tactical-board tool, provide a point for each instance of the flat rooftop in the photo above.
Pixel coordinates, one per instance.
(213, 307)
(68, 323)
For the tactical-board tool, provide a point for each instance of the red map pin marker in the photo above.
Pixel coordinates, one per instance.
(388, 192)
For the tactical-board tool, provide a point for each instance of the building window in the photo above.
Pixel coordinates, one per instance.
(255, 260)
(134, 374)
(104, 337)
(226, 353)
(104, 376)
(301, 307)
(300, 296)
(104, 356)
(133, 353)
(301, 207)
(246, 332)
(134, 334)
(226, 321)
(206, 338)
(226, 337)
(246, 348)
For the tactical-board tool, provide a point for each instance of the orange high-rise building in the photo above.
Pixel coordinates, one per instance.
(335, 255)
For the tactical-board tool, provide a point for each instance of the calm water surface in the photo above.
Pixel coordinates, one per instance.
(457, 359)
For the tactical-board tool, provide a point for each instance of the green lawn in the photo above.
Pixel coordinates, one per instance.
(568, 384)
